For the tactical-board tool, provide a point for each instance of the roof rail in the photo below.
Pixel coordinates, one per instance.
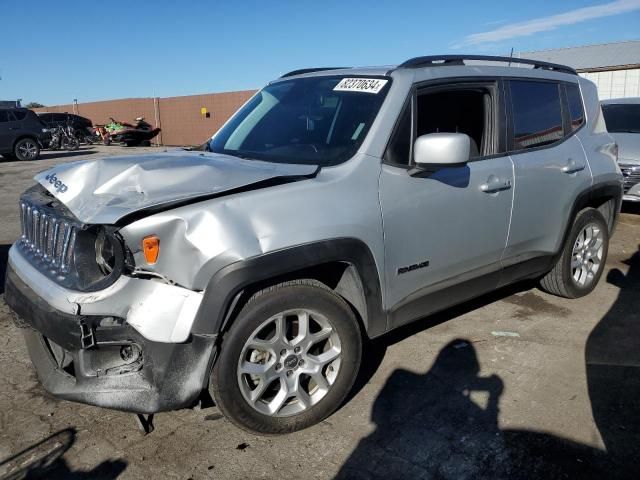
(446, 60)
(310, 70)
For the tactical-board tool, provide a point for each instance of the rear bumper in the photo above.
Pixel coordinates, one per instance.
(103, 361)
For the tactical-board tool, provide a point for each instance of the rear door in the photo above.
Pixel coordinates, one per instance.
(550, 167)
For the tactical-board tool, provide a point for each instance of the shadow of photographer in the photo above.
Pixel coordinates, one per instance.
(444, 424)
(612, 358)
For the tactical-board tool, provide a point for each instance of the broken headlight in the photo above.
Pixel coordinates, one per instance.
(105, 247)
(99, 258)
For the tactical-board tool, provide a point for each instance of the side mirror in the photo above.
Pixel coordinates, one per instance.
(439, 150)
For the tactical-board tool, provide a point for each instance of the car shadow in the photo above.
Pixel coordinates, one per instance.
(51, 154)
(631, 207)
(4, 259)
(45, 460)
(612, 357)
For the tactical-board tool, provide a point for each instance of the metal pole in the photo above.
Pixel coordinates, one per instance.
(156, 112)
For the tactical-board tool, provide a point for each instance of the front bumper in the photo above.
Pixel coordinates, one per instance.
(101, 360)
(631, 173)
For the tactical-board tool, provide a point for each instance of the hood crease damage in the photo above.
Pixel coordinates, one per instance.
(113, 189)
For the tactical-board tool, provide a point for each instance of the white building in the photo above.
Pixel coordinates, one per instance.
(613, 67)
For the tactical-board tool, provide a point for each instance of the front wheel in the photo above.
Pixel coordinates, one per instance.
(27, 149)
(577, 271)
(289, 359)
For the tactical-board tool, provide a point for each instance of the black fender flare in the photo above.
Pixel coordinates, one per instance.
(611, 190)
(226, 285)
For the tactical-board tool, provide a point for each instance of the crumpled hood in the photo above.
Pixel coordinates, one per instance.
(628, 147)
(105, 190)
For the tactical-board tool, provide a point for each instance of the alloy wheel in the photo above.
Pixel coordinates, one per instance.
(587, 254)
(289, 363)
(28, 150)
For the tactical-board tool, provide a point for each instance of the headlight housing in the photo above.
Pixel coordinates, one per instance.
(99, 258)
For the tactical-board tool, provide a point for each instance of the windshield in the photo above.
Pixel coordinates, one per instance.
(622, 118)
(317, 120)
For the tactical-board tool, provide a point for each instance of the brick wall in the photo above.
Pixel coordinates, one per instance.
(179, 118)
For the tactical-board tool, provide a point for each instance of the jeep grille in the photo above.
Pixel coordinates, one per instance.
(47, 236)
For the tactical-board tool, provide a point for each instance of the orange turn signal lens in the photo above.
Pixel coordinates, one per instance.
(151, 249)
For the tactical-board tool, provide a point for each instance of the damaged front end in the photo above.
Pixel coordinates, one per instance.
(77, 256)
(96, 331)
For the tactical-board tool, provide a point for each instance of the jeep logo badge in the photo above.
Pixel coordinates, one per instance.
(291, 361)
(53, 180)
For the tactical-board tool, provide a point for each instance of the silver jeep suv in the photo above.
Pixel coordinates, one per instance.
(336, 205)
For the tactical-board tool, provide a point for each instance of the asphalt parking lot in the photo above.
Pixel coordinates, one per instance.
(517, 384)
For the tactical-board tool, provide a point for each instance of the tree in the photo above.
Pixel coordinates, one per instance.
(33, 105)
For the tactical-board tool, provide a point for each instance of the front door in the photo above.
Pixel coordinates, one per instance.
(445, 233)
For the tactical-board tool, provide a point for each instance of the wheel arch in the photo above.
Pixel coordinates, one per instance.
(22, 137)
(345, 265)
(604, 197)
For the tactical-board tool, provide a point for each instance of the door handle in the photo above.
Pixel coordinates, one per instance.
(495, 184)
(572, 167)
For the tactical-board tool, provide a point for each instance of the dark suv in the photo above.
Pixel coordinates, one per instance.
(21, 134)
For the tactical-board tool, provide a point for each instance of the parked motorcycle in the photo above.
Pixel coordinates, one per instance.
(63, 137)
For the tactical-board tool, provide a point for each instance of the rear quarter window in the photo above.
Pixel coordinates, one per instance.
(537, 113)
(576, 110)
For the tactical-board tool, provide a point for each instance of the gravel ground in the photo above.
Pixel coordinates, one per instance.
(517, 384)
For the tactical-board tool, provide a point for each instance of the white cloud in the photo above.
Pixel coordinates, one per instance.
(552, 22)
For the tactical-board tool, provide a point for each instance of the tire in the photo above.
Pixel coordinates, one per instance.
(577, 271)
(73, 144)
(26, 149)
(230, 384)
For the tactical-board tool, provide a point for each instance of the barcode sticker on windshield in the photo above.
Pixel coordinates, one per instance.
(367, 85)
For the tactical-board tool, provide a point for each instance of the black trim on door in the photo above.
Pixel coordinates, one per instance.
(499, 117)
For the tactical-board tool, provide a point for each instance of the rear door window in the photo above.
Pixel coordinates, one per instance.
(4, 116)
(537, 114)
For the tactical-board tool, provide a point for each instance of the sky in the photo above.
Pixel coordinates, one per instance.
(54, 52)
